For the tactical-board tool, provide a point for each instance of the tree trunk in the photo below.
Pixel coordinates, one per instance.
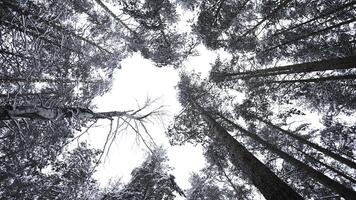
(321, 79)
(263, 178)
(55, 113)
(323, 65)
(345, 192)
(16, 94)
(336, 171)
(311, 144)
(41, 80)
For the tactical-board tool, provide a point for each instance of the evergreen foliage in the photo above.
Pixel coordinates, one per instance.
(275, 118)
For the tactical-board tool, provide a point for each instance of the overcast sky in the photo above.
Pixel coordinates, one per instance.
(134, 83)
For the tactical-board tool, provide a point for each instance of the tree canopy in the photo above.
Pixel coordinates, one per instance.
(275, 116)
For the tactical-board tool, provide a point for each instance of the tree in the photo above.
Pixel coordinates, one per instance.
(153, 32)
(34, 136)
(325, 86)
(306, 142)
(266, 31)
(239, 156)
(203, 187)
(345, 192)
(302, 39)
(149, 181)
(333, 169)
(196, 95)
(215, 18)
(72, 176)
(337, 136)
(219, 179)
(49, 41)
(45, 49)
(56, 56)
(67, 178)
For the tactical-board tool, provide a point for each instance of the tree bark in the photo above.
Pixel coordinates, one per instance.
(336, 171)
(315, 80)
(41, 80)
(345, 192)
(16, 94)
(263, 178)
(311, 144)
(323, 65)
(55, 113)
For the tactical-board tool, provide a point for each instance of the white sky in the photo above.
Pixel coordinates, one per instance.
(137, 80)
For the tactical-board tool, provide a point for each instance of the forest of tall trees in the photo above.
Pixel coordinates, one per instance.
(275, 116)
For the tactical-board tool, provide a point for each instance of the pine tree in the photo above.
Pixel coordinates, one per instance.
(306, 142)
(152, 33)
(151, 180)
(239, 156)
(345, 192)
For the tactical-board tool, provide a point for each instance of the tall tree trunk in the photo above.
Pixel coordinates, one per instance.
(306, 142)
(263, 178)
(41, 80)
(323, 65)
(336, 171)
(345, 192)
(55, 113)
(321, 79)
(16, 94)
